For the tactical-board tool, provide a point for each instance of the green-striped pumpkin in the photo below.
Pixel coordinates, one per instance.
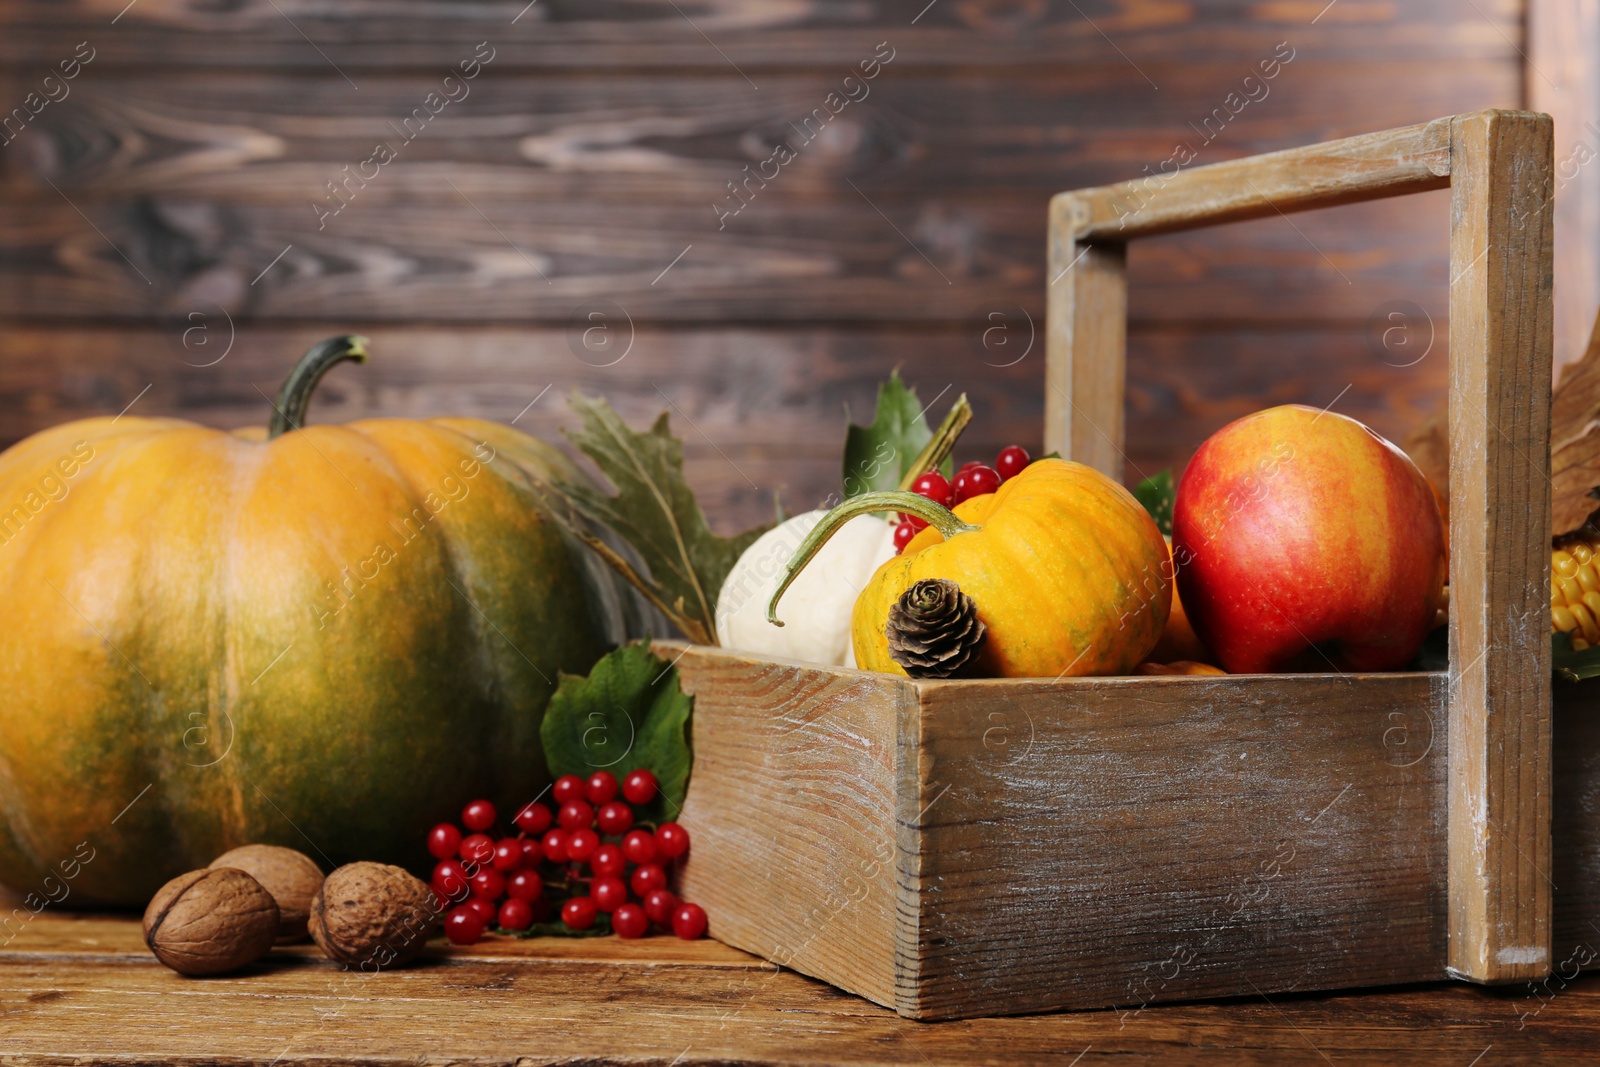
(326, 637)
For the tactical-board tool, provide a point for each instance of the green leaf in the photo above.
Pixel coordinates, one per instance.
(655, 512)
(601, 927)
(628, 713)
(878, 456)
(1573, 665)
(1157, 493)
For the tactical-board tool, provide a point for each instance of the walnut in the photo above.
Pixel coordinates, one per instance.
(292, 878)
(372, 916)
(210, 921)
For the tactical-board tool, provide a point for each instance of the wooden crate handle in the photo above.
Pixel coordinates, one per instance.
(1498, 166)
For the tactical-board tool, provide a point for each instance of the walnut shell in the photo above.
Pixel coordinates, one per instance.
(372, 916)
(292, 878)
(210, 921)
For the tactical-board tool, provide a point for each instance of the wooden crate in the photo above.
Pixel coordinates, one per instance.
(964, 848)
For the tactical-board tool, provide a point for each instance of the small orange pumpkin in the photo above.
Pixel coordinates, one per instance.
(1069, 573)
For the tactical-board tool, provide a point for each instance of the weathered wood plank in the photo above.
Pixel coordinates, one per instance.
(1359, 261)
(1113, 841)
(515, 261)
(1500, 369)
(618, 34)
(276, 136)
(752, 434)
(954, 259)
(1390, 163)
(820, 891)
(70, 936)
(1086, 347)
(202, 177)
(80, 990)
(492, 1014)
(792, 814)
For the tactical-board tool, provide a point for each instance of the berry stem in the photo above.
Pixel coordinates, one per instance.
(937, 515)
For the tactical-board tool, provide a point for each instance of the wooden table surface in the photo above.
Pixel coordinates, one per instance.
(82, 989)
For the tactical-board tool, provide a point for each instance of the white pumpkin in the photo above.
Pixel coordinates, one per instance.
(816, 609)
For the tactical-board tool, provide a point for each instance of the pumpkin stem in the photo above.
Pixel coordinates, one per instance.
(937, 515)
(289, 410)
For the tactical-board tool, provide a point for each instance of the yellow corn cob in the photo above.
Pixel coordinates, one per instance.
(1575, 586)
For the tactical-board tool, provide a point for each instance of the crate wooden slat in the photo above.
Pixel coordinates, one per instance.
(1500, 371)
(1185, 839)
(1410, 159)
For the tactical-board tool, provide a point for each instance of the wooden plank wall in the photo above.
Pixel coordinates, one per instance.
(164, 201)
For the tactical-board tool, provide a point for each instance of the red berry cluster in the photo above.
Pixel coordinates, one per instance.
(588, 851)
(973, 479)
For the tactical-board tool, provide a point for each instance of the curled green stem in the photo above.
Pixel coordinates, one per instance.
(289, 410)
(936, 515)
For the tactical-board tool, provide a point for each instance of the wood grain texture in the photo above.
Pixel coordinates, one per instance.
(806, 260)
(1045, 856)
(74, 935)
(201, 178)
(601, 134)
(1291, 837)
(673, 137)
(659, 1002)
(793, 813)
(1391, 163)
(515, 262)
(746, 434)
(1086, 346)
(590, 34)
(1500, 370)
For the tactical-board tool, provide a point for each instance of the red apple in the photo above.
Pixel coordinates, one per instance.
(1306, 542)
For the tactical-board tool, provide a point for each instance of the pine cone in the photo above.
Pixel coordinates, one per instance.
(934, 630)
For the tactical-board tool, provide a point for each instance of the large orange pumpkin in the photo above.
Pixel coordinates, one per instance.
(327, 637)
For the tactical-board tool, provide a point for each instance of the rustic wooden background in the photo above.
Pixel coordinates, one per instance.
(161, 212)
